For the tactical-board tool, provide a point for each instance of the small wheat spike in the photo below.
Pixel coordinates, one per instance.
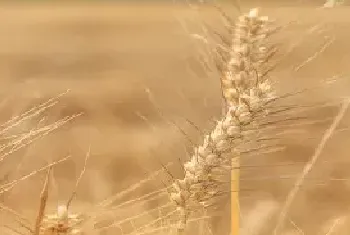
(60, 223)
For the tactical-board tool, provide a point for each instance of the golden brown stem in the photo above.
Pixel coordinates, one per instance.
(235, 209)
(43, 200)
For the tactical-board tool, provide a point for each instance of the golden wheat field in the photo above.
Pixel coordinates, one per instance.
(134, 72)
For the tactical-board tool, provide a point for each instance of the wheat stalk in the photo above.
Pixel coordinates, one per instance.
(43, 201)
(246, 91)
(19, 141)
(309, 166)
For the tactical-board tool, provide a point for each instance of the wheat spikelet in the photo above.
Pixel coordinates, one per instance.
(61, 222)
(246, 91)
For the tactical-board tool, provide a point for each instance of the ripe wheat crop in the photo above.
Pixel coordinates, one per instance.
(252, 110)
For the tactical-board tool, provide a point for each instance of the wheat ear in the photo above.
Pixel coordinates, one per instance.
(246, 91)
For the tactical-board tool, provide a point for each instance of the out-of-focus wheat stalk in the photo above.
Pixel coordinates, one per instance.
(63, 221)
(43, 200)
(246, 90)
(21, 220)
(15, 142)
(308, 167)
(8, 186)
(334, 225)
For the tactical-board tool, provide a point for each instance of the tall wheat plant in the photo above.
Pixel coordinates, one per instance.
(247, 91)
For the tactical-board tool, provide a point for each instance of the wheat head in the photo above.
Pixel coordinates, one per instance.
(246, 90)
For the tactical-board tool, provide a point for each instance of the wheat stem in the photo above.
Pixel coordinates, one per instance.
(43, 201)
